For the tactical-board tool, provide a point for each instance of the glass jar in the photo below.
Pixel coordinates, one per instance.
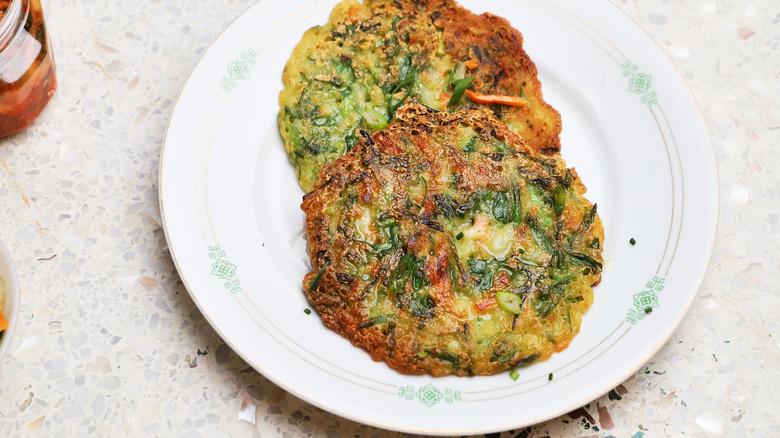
(27, 71)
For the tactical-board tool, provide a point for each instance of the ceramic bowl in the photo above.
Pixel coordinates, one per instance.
(8, 274)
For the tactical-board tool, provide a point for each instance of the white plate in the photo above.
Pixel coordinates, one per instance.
(230, 204)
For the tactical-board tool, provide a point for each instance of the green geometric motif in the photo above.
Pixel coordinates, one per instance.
(429, 394)
(640, 83)
(238, 70)
(233, 286)
(223, 269)
(216, 251)
(646, 300)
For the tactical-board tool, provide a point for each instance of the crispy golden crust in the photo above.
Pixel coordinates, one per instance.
(503, 68)
(374, 56)
(417, 233)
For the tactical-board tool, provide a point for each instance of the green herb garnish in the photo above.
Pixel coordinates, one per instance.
(632, 241)
(425, 195)
(460, 87)
(514, 375)
(316, 282)
(447, 356)
(559, 200)
(374, 120)
(307, 311)
(470, 145)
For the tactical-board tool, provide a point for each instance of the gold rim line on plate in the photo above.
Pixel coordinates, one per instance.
(609, 53)
(682, 184)
(671, 174)
(206, 171)
(671, 131)
(700, 116)
(555, 370)
(227, 98)
(374, 422)
(278, 23)
(368, 378)
(262, 49)
(257, 308)
(255, 305)
(234, 346)
(301, 357)
(561, 378)
(709, 250)
(559, 17)
(206, 184)
(197, 168)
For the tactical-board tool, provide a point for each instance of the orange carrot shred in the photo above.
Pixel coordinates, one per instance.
(493, 98)
(3, 321)
(471, 64)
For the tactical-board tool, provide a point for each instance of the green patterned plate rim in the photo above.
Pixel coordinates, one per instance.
(231, 213)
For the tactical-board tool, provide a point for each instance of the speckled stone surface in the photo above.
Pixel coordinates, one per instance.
(110, 343)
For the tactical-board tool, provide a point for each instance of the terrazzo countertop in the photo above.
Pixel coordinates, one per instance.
(80, 216)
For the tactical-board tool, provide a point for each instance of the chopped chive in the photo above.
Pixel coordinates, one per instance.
(460, 87)
(648, 309)
(549, 377)
(307, 311)
(522, 92)
(425, 196)
(514, 375)
(423, 354)
(459, 236)
(632, 241)
(316, 282)
(373, 119)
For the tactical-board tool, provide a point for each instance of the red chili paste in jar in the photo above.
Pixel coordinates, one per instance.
(27, 70)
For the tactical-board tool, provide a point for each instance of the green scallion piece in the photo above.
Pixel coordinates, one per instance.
(316, 282)
(559, 200)
(549, 378)
(460, 87)
(514, 374)
(648, 309)
(459, 72)
(510, 302)
(423, 354)
(307, 311)
(459, 236)
(374, 120)
(425, 196)
(632, 241)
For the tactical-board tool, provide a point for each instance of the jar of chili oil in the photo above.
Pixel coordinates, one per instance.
(27, 71)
